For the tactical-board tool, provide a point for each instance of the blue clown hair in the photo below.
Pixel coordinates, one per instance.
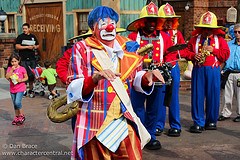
(101, 12)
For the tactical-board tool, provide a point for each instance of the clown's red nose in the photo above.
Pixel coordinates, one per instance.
(109, 28)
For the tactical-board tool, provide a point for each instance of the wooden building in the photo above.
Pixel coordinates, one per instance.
(55, 21)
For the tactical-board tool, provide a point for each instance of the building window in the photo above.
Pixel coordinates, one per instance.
(11, 23)
(82, 22)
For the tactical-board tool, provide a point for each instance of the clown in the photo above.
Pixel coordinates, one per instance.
(62, 64)
(208, 50)
(100, 77)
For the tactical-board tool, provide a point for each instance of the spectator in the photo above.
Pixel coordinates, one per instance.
(50, 75)
(17, 75)
(232, 86)
(27, 45)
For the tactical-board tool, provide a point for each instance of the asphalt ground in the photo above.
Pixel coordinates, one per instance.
(40, 139)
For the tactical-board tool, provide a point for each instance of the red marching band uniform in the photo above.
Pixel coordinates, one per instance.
(205, 90)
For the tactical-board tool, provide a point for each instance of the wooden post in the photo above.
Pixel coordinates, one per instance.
(114, 4)
(238, 11)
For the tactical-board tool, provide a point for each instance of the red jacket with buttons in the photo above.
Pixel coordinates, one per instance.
(167, 42)
(218, 56)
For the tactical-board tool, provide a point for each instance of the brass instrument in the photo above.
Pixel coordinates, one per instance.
(204, 52)
(68, 112)
(145, 49)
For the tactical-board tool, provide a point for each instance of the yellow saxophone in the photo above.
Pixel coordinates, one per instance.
(204, 52)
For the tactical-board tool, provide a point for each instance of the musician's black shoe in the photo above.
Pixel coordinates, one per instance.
(211, 126)
(174, 132)
(237, 119)
(153, 145)
(222, 118)
(158, 132)
(196, 129)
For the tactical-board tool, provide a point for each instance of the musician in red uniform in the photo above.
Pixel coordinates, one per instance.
(207, 50)
(167, 13)
(145, 32)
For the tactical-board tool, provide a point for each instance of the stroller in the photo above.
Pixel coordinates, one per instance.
(39, 87)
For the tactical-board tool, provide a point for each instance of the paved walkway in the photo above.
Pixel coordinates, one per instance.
(40, 139)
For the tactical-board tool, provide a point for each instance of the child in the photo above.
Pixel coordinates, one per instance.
(17, 75)
(50, 75)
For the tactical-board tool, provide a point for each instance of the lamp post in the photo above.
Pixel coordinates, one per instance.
(3, 17)
(188, 5)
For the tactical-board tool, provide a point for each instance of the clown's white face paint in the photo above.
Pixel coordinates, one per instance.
(107, 29)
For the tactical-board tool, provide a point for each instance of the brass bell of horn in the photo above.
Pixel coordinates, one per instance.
(68, 112)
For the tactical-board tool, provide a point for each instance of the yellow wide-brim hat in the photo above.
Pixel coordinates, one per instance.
(167, 11)
(89, 33)
(119, 30)
(208, 20)
(85, 35)
(148, 11)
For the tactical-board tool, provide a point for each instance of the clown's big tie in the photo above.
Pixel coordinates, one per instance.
(114, 134)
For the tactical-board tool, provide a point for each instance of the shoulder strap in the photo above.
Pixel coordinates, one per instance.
(196, 45)
(175, 36)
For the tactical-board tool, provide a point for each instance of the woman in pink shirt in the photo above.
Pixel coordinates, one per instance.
(17, 75)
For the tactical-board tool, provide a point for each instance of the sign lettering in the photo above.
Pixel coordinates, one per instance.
(43, 15)
(45, 27)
